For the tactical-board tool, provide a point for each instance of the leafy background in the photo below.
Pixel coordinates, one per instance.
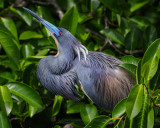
(126, 29)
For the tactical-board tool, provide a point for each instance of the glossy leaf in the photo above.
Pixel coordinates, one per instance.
(70, 20)
(140, 121)
(140, 22)
(119, 109)
(22, 14)
(128, 122)
(32, 111)
(7, 76)
(130, 67)
(73, 107)
(113, 35)
(6, 102)
(125, 26)
(150, 34)
(34, 58)
(30, 35)
(130, 60)
(26, 93)
(10, 25)
(150, 121)
(115, 5)
(88, 112)
(132, 39)
(9, 44)
(4, 121)
(155, 81)
(99, 122)
(42, 52)
(57, 105)
(28, 73)
(27, 50)
(135, 5)
(138, 73)
(134, 101)
(150, 60)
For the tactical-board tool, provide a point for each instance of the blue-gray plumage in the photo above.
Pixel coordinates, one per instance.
(98, 75)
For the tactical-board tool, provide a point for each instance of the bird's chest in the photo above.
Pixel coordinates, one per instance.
(57, 65)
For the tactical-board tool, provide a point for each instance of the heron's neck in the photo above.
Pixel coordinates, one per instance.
(65, 54)
(64, 57)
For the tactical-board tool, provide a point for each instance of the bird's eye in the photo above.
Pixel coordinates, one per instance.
(60, 33)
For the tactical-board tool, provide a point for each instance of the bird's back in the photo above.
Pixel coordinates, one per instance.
(103, 80)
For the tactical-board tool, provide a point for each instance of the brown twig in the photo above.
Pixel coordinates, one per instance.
(157, 105)
(133, 52)
(95, 33)
(104, 45)
(40, 2)
(19, 3)
(107, 40)
(59, 11)
(105, 19)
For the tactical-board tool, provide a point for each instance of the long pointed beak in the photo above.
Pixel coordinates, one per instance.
(48, 25)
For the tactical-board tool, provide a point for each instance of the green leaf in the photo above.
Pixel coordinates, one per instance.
(10, 25)
(150, 121)
(34, 58)
(30, 35)
(81, 33)
(28, 73)
(26, 93)
(119, 109)
(7, 76)
(73, 107)
(130, 64)
(125, 26)
(22, 14)
(128, 122)
(57, 105)
(134, 101)
(4, 121)
(138, 73)
(27, 50)
(99, 122)
(150, 60)
(1, 3)
(130, 60)
(140, 22)
(155, 81)
(9, 44)
(140, 121)
(132, 39)
(70, 20)
(32, 111)
(135, 5)
(150, 34)
(42, 52)
(130, 67)
(83, 18)
(6, 102)
(113, 35)
(94, 4)
(88, 112)
(115, 5)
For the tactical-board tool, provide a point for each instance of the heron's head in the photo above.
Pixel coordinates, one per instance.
(63, 38)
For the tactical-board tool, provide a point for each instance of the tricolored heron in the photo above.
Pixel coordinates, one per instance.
(98, 75)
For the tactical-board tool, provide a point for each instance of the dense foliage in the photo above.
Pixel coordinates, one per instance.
(126, 29)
